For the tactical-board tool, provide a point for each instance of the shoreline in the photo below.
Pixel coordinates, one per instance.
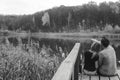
(77, 35)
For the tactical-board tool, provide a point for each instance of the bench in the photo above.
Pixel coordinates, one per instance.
(97, 77)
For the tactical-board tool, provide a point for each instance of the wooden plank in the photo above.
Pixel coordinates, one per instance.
(114, 78)
(84, 77)
(94, 77)
(104, 78)
(66, 68)
(118, 72)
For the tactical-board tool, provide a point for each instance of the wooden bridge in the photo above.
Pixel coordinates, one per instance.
(69, 68)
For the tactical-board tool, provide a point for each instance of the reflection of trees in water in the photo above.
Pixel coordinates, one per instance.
(116, 46)
(57, 47)
(13, 41)
(117, 49)
(53, 46)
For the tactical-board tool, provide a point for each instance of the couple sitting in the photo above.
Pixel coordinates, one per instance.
(100, 59)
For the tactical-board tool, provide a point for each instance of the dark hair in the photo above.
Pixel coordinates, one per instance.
(105, 42)
(96, 47)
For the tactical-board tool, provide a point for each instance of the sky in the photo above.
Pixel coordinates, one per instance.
(20, 7)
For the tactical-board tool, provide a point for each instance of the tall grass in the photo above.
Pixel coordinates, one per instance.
(18, 64)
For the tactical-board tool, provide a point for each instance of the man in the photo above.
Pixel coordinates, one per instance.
(107, 59)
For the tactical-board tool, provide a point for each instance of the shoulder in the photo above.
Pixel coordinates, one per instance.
(110, 47)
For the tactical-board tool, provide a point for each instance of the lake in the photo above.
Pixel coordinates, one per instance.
(64, 43)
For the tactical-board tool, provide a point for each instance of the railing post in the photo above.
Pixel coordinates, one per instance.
(77, 67)
(72, 77)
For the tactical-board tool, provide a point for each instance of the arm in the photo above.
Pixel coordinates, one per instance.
(95, 57)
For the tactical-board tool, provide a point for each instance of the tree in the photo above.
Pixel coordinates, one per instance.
(69, 19)
(66, 18)
(108, 27)
(46, 19)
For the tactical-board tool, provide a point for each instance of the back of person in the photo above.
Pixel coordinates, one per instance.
(90, 58)
(107, 61)
(108, 66)
(89, 61)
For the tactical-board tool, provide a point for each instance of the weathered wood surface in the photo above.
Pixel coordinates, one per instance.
(84, 77)
(97, 77)
(114, 78)
(118, 71)
(103, 78)
(66, 69)
(94, 77)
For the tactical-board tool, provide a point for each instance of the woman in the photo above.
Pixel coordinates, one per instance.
(90, 58)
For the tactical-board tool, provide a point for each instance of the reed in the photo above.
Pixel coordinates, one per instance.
(18, 64)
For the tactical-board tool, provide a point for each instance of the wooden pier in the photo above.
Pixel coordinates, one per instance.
(69, 68)
(97, 77)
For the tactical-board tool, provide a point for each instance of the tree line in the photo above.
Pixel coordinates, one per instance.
(88, 16)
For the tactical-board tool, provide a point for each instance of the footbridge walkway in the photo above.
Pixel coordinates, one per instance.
(69, 68)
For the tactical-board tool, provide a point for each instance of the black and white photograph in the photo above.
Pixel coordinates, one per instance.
(59, 39)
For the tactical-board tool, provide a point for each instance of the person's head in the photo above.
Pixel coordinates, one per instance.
(95, 47)
(105, 42)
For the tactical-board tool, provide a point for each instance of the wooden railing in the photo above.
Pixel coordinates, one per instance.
(69, 68)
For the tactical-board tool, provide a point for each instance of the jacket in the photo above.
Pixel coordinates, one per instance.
(107, 61)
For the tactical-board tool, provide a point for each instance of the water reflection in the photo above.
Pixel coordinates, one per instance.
(116, 46)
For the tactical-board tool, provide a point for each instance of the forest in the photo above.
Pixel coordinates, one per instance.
(90, 16)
